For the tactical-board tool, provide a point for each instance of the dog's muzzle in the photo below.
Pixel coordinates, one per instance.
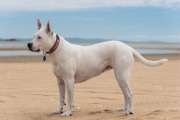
(30, 46)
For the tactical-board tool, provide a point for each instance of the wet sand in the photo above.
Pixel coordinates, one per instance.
(28, 91)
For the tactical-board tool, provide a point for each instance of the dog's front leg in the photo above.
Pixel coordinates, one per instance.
(70, 92)
(61, 86)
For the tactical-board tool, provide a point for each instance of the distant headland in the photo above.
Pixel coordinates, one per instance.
(12, 39)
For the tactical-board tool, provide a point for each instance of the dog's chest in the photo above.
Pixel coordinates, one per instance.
(56, 70)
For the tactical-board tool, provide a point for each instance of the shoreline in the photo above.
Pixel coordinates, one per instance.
(22, 52)
(35, 59)
(13, 49)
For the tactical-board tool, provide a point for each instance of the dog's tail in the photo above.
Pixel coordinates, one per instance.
(148, 62)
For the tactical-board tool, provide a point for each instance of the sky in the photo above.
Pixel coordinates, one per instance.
(135, 20)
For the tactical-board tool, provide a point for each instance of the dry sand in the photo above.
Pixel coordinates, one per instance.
(28, 91)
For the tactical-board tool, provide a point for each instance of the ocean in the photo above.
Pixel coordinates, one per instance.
(19, 48)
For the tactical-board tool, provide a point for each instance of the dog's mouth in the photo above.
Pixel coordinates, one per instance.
(38, 50)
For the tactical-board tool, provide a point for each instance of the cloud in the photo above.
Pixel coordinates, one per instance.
(60, 5)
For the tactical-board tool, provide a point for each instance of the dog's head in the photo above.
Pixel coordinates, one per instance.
(43, 38)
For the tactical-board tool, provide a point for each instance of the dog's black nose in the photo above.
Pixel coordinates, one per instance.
(30, 46)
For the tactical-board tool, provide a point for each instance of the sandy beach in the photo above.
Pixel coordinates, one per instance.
(28, 91)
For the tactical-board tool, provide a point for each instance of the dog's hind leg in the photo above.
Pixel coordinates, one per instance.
(61, 86)
(125, 101)
(123, 81)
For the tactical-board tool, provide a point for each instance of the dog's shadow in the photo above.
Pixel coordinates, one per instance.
(78, 114)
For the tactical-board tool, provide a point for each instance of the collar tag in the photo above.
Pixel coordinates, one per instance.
(44, 57)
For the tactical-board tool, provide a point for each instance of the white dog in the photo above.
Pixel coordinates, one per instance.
(74, 64)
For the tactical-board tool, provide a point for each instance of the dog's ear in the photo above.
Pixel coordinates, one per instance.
(48, 28)
(39, 24)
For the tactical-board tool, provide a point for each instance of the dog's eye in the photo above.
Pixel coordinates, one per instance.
(39, 37)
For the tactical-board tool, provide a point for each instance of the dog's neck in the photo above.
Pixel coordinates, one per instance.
(59, 50)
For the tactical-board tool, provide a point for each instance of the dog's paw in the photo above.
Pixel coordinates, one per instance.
(128, 112)
(67, 113)
(122, 109)
(59, 111)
